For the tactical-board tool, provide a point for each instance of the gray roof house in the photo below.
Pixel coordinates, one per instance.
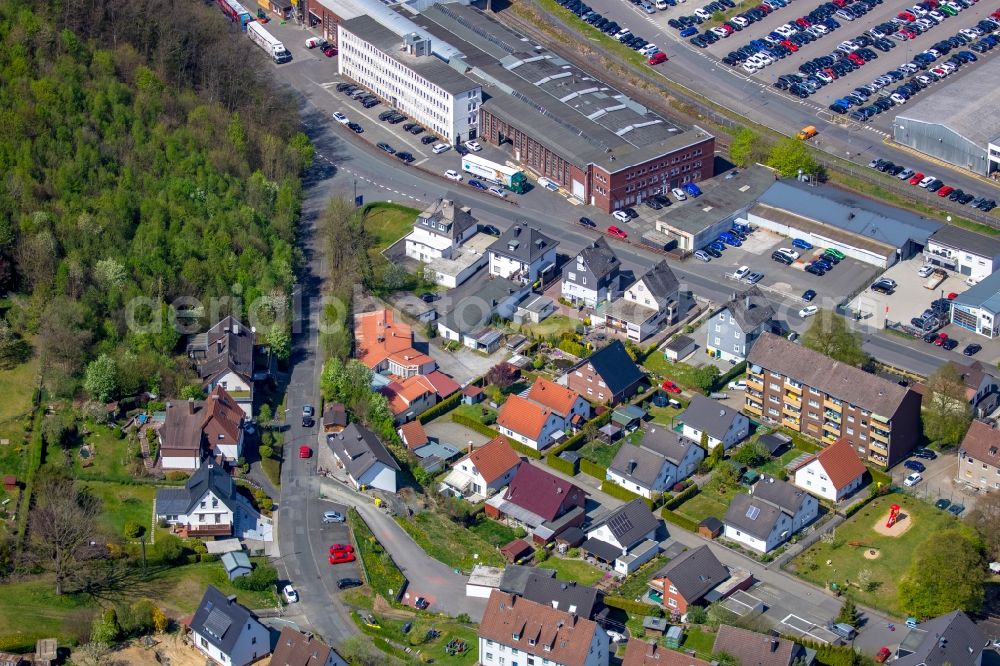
(661, 459)
(522, 253)
(626, 536)
(945, 640)
(224, 356)
(608, 375)
(652, 300)
(227, 632)
(732, 331)
(722, 424)
(582, 600)
(772, 512)
(752, 648)
(686, 580)
(479, 299)
(593, 277)
(367, 461)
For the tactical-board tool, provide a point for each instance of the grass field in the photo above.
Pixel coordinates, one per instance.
(774, 465)
(599, 452)
(422, 649)
(109, 455)
(703, 505)
(388, 222)
(577, 570)
(18, 384)
(449, 543)
(700, 641)
(895, 554)
(664, 415)
(681, 373)
(122, 503)
(474, 412)
(492, 532)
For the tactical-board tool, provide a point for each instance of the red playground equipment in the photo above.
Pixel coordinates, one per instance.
(893, 515)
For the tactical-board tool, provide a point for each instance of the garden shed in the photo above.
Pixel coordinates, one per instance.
(236, 564)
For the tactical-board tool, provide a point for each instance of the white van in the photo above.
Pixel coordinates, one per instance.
(741, 272)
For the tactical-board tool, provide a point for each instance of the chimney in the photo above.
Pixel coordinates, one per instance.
(236, 328)
(190, 405)
(231, 598)
(774, 645)
(631, 465)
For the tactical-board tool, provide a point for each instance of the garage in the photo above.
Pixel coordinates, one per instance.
(863, 229)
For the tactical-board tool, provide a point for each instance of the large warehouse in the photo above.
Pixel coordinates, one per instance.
(866, 230)
(957, 123)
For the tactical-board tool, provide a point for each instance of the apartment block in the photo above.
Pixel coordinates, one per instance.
(825, 399)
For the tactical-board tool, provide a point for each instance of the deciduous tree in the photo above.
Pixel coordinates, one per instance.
(985, 519)
(502, 375)
(752, 454)
(829, 335)
(101, 378)
(948, 573)
(743, 147)
(947, 413)
(62, 522)
(789, 156)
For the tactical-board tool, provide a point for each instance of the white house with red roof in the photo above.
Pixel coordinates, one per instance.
(197, 429)
(833, 473)
(543, 415)
(482, 472)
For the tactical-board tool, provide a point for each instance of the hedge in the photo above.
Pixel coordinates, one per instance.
(577, 440)
(679, 520)
(633, 607)
(616, 491)
(487, 431)
(591, 468)
(560, 465)
(443, 407)
(734, 372)
(681, 497)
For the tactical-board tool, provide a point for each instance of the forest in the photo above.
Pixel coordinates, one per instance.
(144, 159)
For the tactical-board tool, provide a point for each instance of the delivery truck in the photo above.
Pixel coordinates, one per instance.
(259, 35)
(236, 12)
(501, 174)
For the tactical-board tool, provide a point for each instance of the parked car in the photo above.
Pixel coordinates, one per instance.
(808, 295)
(333, 517)
(291, 596)
(808, 311)
(942, 504)
(670, 387)
(451, 174)
(341, 556)
(912, 480)
(802, 244)
(615, 231)
(305, 452)
(473, 146)
(621, 216)
(587, 222)
(972, 349)
(925, 453)
(702, 256)
(346, 583)
(915, 465)
(340, 118)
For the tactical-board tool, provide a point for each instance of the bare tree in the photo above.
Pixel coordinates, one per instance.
(62, 524)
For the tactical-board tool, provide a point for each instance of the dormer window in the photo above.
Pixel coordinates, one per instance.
(531, 641)
(547, 648)
(516, 637)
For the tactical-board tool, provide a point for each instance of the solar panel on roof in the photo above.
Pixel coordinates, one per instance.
(753, 512)
(620, 524)
(217, 623)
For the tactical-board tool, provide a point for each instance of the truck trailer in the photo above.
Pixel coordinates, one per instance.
(501, 174)
(236, 12)
(265, 40)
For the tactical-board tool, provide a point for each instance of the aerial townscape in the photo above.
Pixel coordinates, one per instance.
(499, 333)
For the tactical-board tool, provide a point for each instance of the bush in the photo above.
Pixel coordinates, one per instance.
(591, 468)
(679, 520)
(105, 628)
(697, 615)
(176, 476)
(560, 465)
(266, 452)
(635, 608)
(168, 549)
(263, 577)
(137, 619)
(682, 497)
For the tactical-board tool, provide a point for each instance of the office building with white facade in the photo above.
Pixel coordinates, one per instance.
(406, 73)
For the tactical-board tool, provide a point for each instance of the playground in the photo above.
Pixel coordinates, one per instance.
(873, 549)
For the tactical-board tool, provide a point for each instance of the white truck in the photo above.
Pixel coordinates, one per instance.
(265, 40)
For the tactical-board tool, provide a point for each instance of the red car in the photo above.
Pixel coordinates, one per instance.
(670, 387)
(906, 16)
(939, 340)
(341, 556)
(916, 178)
(305, 452)
(945, 191)
(856, 59)
(341, 547)
(615, 231)
(657, 58)
(882, 655)
(791, 46)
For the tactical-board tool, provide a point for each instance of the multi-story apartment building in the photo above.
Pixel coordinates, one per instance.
(406, 73)
(826, 399)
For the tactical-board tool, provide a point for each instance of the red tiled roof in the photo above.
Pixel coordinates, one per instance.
(641, 653)
(402, 394)
(537, 626)
(515, 548)
(472, 390)
(223, 416)
(379, 337)
(841, 463)
(523, 416)
(494, 459)
(557, 398)
(754, 649)
(442, 383)
(539, 492)
(413, 435)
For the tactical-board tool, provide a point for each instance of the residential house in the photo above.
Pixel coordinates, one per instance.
(593, 277)
(210, 505)
(482, 472)
(543, 415)
(967, 253)
(979, 457)
(749, 647)
(661, 459)
(226, 632)
(826, 399)
(194, 430)
(387, 347)
(467, 320)
(732, 331)
(721, 424)
(696, 577)
(366, 460)
(946, 640)
(833, 473)
(297, 649)
(648, 303)
(772, 512)
(410, 397)
(334, 417)
(413, 435)
(543, 503)
(678, 348)
(514, 628)
(438, 231)
(571, 597)
(224, 356)
(641, 653)
(609, 375)
(626, 537)
(982, 388)
(522, 254)
(534, 309)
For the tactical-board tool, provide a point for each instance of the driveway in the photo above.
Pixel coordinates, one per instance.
(447, 431)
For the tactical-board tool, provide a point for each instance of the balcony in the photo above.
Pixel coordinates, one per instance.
(198, 530)
(880, 419)
(880, 448)
(829, 404)
(791, 409)
(755, 381)
(753, 408)
(832, 415)
(793, 399)
(757, 394)
(879, 436)
(793, 386)
(877, 459)
(791, 421)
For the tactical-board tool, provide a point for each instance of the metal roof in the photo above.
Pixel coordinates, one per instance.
(968, 241)
(721, 198)
(964, 106)
(389, 17)
(985, 295)
(850, 212)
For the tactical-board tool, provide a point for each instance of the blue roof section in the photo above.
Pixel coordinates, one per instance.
(984, 295)
(850, 212)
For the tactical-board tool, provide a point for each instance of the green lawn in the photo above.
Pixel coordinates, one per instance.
(895, 554)
(388, 222)
(681, 373)
(391, 631)
(18, 384)
(664, 415)
(121, 503)
(774, 465)
(703, 505)
(555, 325)
(109, 456)
(578, 570)
(635, 585)
(599, 452)
(450, 543)
(698, 640)
(492, 532)
(474, 412)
